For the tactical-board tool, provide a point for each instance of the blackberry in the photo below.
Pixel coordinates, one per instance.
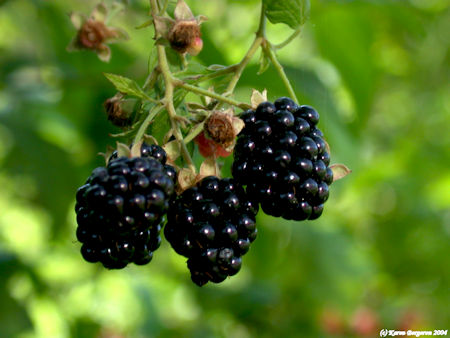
(156, 152)
(282, 158)
(120, 210)
(212, 224)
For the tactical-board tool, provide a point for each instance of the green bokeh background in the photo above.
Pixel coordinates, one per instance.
(378, 73)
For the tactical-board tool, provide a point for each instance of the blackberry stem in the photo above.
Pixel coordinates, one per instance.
(171, 82)
(153, 112)
(213, 95)
(164, 7)
(221, 72)
(269, 50)
(289, 39)
(168, 97)
(259, 39)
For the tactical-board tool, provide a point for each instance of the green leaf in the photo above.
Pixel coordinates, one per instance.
(127, 86)
(293, 13)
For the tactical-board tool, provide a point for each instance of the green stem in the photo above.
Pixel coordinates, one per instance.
(259, 39)
(210, 76)
(241, 65)
(168, 97)
(164, 7)
(213, 95)
(150, 99)
(114, 11)
(289, 39)
(143, 128)
(268, 49)
(151, 79)
(194, 132)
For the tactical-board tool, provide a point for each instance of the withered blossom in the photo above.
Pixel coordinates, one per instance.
(94, 34)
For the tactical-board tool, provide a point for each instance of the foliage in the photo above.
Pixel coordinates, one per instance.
(378, 74)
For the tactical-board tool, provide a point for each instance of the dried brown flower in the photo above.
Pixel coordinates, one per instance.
(219, 127)
(185, 36)
(116, 111)
(93, 34)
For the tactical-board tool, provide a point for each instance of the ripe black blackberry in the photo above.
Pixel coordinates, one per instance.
(212, 225)
(156, 152)
(120, 210)
(281, 157)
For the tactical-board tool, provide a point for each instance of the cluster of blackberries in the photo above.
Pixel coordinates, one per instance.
(212, 224)
(282, 158)
(120, 208)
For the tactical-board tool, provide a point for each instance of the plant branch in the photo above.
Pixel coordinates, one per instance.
(164, 7)
(168, 97)
(213, 75)
(213, 95)
(289, 39)
(241, 65)
(143, 128)
(259, 39)
(268, 49)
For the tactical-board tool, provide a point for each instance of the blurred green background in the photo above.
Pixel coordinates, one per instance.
(378, 73)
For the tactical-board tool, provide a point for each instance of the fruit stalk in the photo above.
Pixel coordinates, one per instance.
(168, 96)
(268, 49)
(257, 42)
(213, 95)
(289, 39)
